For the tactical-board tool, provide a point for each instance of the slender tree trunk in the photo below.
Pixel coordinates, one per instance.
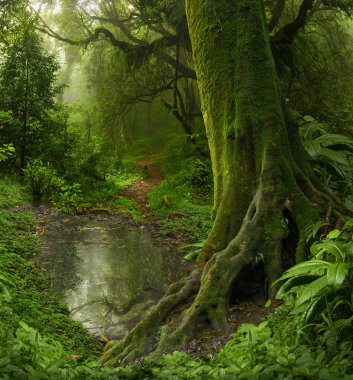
(265, 192)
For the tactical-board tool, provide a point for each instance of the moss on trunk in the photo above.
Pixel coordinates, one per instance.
(265, 192)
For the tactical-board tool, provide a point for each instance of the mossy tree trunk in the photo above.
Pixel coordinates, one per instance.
(265, 192)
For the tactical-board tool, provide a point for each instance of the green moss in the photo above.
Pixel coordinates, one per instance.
(126, 206)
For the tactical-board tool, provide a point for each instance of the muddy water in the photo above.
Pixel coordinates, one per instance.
(109, 273)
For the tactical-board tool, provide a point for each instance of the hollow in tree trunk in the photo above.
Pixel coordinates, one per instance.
(265, 192)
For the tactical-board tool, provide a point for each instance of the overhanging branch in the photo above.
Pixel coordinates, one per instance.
(289, 31)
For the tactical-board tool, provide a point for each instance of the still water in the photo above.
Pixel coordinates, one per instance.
(109, 273)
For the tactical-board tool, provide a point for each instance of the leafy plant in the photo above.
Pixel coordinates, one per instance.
(28, 355)
(331, 154)
(4, 280)
(63, 196)
(6, 151)
(326, 279)
(45, 184)
(195, 253)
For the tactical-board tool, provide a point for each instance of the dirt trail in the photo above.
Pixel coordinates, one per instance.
(139, 190)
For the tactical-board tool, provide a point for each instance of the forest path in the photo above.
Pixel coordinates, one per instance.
(138, 190)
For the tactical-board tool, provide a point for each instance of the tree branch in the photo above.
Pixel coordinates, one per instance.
(276, 14)
(288, 32)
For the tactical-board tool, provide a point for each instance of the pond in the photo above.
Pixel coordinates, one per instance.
(109, 273)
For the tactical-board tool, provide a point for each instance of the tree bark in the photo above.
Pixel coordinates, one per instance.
(265, 192)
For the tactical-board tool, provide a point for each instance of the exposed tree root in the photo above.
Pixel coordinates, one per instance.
(143, 338)
(273, 217)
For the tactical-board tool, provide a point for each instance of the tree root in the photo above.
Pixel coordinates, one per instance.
(205, 294)
(143, 338)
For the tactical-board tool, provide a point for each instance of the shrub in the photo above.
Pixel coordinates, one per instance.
(46, 185)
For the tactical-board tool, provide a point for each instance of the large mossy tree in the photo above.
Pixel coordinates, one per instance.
(266, 194)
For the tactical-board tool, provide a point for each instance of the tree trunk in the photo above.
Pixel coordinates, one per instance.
(265, 192)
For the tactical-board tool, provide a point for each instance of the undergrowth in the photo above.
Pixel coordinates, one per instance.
(42, 350)
(11, 193)
(184, 201)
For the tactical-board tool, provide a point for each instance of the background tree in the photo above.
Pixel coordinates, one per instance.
(153, 38)
(28, 89)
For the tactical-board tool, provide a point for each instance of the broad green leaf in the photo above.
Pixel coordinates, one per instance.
(308, 118)
(268, 303)
(192, 255)
(311, 267)
(315, 308)
(333, 234)
(336, 156)
(294, 282)
(313, 148)
(328, 246)
(332, 139)
(337, 273)
(311, 290)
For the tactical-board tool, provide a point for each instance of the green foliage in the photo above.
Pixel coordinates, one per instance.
(324, 283)
(65, 197)
(121, 179)
(46, 185)
(253, 352)
(6, 151)
(27, 355)
(17, 234)
(3, 288)
(191, 219)
(40, 178)
(191, 181)
(12, 192)
(192, 255)
(27, 89)
(323, 50)
(123, 205)
(184, 200)
(331, 155)
(31, 300)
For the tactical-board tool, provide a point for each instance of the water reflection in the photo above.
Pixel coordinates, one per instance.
(109, 273)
